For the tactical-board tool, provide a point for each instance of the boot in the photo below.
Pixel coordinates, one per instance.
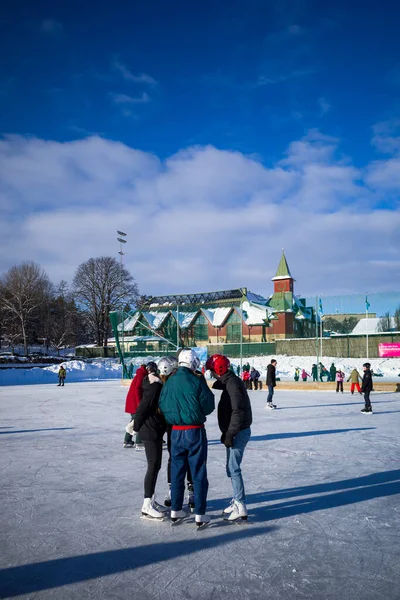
(167, 499)
(202, 521)
(149, 511)
(239, 512)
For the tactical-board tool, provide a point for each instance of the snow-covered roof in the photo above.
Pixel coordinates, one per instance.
(129, 323)
(369, 325)
(217, 316)
(186, 318)
(155, 319)
(254, 314)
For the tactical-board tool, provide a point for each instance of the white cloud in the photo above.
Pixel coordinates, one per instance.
(324, 106)
(387, 136)
(129, 76)
(202, 219)
(144, 98)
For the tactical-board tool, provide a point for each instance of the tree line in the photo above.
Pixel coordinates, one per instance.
(34, 310)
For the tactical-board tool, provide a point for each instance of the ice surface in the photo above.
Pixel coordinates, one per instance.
(323, 491)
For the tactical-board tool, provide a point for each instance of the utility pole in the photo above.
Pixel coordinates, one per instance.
(316, 334)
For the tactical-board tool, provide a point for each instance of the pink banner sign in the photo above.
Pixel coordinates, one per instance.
(389, 350)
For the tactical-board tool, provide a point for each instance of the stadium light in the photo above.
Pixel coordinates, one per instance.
(121, 233)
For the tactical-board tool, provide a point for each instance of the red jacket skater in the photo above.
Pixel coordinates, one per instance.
(134, 395)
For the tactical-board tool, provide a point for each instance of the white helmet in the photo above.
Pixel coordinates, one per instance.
(167, 364)
(188, 358)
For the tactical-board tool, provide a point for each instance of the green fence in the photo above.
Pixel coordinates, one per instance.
(233, 350)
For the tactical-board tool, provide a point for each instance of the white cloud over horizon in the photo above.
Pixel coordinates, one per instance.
(204, 218)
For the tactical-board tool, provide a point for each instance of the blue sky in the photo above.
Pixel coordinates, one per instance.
(281, 107)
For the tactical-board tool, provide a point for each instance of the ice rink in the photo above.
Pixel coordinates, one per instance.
(323, 492)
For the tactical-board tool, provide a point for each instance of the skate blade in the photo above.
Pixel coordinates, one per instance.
(177, 522)
(148, 518)
(200, 526)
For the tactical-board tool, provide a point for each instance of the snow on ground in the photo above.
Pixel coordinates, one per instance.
(109, 368)
(323, 492)
(77, 370)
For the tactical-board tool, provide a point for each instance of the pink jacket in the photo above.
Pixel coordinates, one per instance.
(340, 376)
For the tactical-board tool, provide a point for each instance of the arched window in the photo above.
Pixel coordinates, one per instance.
(233, 328)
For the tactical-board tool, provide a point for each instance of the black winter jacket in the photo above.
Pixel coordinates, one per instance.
(271, 375)
(366, 385)
(234, 408)
(149, 421)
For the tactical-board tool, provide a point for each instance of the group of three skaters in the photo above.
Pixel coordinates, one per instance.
(176, 400)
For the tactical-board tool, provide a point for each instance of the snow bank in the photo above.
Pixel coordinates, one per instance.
(77, 370)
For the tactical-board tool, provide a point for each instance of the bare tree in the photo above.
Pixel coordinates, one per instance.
(23, 290)
(385, 323)
(397, 318)
(62, 327)
(100, 286)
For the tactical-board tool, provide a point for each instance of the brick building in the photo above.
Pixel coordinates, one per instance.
(215, 318)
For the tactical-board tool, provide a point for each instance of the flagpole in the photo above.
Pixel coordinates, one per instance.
(320, 323)
(366, 321)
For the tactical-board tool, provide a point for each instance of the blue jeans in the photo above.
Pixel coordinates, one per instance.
(234, 457)
(270, 393)
(189, 450)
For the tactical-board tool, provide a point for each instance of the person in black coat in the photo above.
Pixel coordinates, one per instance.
(271, 382)
(151, 426)
(254, 376)
(366, 388)
(234, 420)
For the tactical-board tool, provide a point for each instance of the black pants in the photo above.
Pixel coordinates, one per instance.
(188, 474)
(61, 381)
(153, 451)
(255, 382)
(366, 399)
(339, 386)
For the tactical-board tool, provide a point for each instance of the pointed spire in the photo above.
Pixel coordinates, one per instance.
(283, 271)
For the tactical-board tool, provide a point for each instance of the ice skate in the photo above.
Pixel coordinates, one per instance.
(129, 445)
(202, 521)
(367, 410)
(150, 512)
(239, 512)
(139, 447)
(270, 405)
(228, 509)
(167, 499)
(191, 497)
(177, 516)
(160, 507)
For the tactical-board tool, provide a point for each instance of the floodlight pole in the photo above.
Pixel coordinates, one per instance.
(316, 334)
(121, 240)
(177, 326)
(241, 335)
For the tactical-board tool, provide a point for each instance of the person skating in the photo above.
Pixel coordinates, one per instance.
(296, 374)
(150, 424)
(132, 402)
(355, 379)
(339, 380)
(234, 420)
(314, 373)
(366, 388)
(254, 376)
(247, 379)
(332, 372)
(167, 367)
(304, 375)
(185, 402)
(62, 373)
(271, 382)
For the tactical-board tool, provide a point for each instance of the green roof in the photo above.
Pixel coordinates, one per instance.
(281, 301)
(283, 268)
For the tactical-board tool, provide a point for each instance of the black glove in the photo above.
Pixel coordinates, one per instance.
(227, 440)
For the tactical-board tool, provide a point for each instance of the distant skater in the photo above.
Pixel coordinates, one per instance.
(62, 373)
(339, 380)
(355, 378)
(305, 375)
(366, 387)
(271, 382)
